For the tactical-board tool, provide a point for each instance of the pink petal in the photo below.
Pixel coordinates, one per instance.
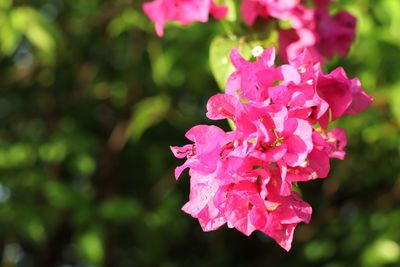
(288, 74)
(360, 99)
(335, 88)
(251, 9)
(244, 208)
(319, 162)
(221, 106)
(217, 11)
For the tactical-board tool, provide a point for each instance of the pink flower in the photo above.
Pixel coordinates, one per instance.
(334, 94)
(247, 208)
(331, 143)
(243, 207)
(322, 3)
(293, 42)
(251, 9)
(245, 177)
(201, 203)
(251, 75)
(335, 33)
(312, 28)
(289, 211)
(322, 34)
(337, 141)
(202, 156)
(184, 11)
(360, 100)
(343, 95)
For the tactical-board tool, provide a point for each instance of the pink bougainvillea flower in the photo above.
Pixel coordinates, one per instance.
(335, 88)
(289, 211)
(337, 141)
(250, 74)
(360, 99)
(322, 3)
(334, 93)
(279, 137)
(202, 156)
(343, 95)
(322, 34)
(243, 207)
(335, 33)
(284, 212)
(201, 201)
(251, 9)
(293, 42)
(244, 177)
(184, 11)
(332, 143)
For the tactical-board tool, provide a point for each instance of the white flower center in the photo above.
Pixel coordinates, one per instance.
(257, 51)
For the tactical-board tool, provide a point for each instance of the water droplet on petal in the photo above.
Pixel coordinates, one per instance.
(194, 210)
(236, 143)
(302, 69)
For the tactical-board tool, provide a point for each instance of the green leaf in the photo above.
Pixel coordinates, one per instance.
(161, 63)
(58, 194)
(129, 19)
(35, 229)
(319, 249)
(9, 36)
(220, 49)
(17, 156)
(5, 4)
(147, 113)
(395, 102)
(91, 246)
(119, 209)
(26, 21)
(54, 151)
(381, 252)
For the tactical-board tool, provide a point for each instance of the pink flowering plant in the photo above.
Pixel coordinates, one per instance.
(280, 115)
(184, 11)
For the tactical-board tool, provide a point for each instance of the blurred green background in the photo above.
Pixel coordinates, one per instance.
(90, 100)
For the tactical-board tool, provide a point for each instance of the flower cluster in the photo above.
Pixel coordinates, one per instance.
(315, 29)
(184, 11)
(312, 28)
(244, 178)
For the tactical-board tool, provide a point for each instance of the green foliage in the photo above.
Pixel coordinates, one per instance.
(147, 112)
(25, 21)
(91, 246)
(91, 100)
(381, 252)
(220, 63)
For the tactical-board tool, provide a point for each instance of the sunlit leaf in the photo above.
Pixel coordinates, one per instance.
(147, 113)
(381, 252)
(9, 36)
(91, 246)
(220, 64)
(161, 63)
(127, 20)
(395, 102)
(119, 209)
